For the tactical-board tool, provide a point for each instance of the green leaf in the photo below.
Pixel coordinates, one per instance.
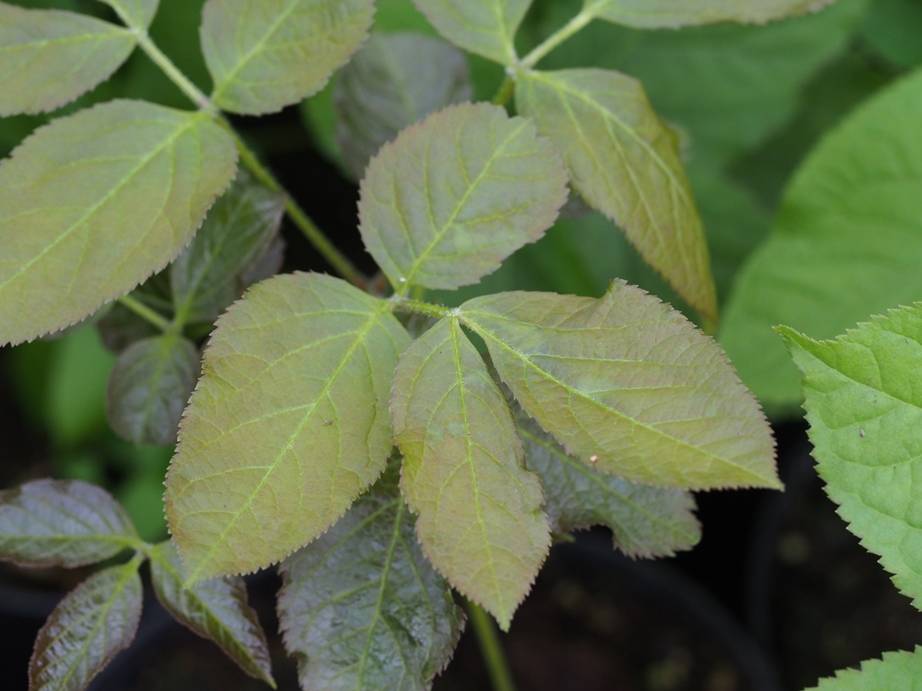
(480, 518)
(93, 203)
(267, 55)
(135, 13)
(452, 197)
(897, 670)
(645, 521)
(846, 243)
(627, 384)
(361, 608)
(626, 163)
(49, 58)
(864, 405)
(89, 627)
(394, 81)
(206, 278)
(67, 523)
(485, 27)
(288, 423)
(672, 14)
(892, 29)
(216, 609)
(149, 387)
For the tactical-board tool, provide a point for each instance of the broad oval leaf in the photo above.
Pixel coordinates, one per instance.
(394, 81)
(629, 385)
(94, 203)
(288, 423)
(625, 162)
(149, 387)
(864, 404)
(896, 670)
(361, 608)
(207, 277)
(447, 201)
(847, 243)
(480, 519)
(66, 523)
(672, 14)
(49, 58)
(266, 55)
(89, 627)
(135, 13)
(216, 609)
(485, 27)
(645, 521)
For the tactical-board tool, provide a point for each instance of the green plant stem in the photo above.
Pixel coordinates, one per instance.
(566, 31)
(492, 649)
(505, 92)
(249, 159)
(145, 312)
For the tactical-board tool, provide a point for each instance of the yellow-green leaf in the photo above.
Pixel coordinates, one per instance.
(49, 58)
(625, 162)
(447, 201)
(628, 385)
(672, 14)
(287, 426)
(135, 13)
(485, 27)
(95, 202)
(480, 519)
(267, 54)
(895, 671)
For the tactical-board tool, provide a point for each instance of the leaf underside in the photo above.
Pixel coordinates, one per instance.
(485, 27)
(287, 426)
(672, 14)
(137, 13)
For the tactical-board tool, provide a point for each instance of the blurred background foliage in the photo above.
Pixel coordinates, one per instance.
(748, 104)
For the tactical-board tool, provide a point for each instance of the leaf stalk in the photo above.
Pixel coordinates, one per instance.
(494, 657)
(145, 312)
(565, 32)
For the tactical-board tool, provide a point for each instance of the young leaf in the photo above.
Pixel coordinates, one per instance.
(849, 226)
(239, 229)
(627, 384)
(645, 521)
(480, 518)
(49, 58)
(137, 14)
(451, 197)
(267, 55)
(394, 81)
(361, 608)
(288, 424)
(864, 404)
(672, 14)
(897, 670)
(626, 163)
(216, 609)
(93, 203)
(66, 523)
(485, 27)
(149, 387)
(89, 627)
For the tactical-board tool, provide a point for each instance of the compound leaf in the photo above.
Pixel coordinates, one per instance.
(266, 55)
(216, 609)
(629, 385)
(645, 521)
(394, 81)
(67, 523)
(95, 202)
(149, 387)
(485, 27)
(897, 670)
(451, 197)
(480, 519)
(672, 14)
(88, 628)
(288, 423)
(625, 162)
(362, 608)
(864, 407)
(239, 229)
(849, 226)
(135, 13)
(49, 58)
